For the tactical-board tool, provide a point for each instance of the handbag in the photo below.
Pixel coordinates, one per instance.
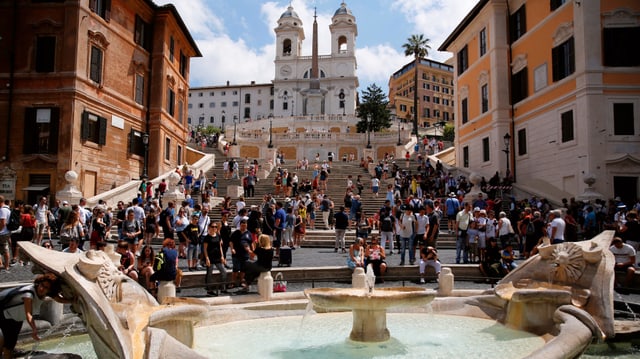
(279, 284)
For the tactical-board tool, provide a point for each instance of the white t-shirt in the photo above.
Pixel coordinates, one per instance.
(5, 213)
(406, 225)
(622, 254)
(559, 224)
(41, 213)
(423, 221)
(14, 309)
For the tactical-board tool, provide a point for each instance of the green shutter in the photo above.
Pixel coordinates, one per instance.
(29, 144)
(102, 140)
(84, 130)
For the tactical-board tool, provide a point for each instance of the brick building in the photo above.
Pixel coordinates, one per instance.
(85, 83)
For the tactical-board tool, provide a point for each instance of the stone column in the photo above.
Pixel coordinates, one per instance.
(70, 192)
(358, 278)
(173, 193)
(445, 282)
(265, 286)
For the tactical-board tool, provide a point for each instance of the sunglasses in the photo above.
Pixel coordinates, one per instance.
(213, 226)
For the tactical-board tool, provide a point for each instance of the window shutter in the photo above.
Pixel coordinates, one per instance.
(84, 131)
(29, 145)
(102, 140)
(130, 142)
(92, 5)
(54, 129)
(556, 55)
(107, 10)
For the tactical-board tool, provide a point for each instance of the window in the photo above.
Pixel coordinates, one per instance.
(180, 111)
(223, 104)
(285, 105)
(136, 146)
(485, 149)
(95, 66)
(171, 100)
(463, 60)
(563, 59)
(465, 156)
(184, 61)
(247, 112)
(200, 94)
(260, 103)
(436, 88)
(616, 50)
(212, 104)
(403, 108)
(235, 92)
(485, 98)
(482, 38)
(623, 119)
(436, 100)
(427, 112)
(45, 53)
(522, 142)
(554, 4)
(224, 93)
(517, 24)
(436, 114)
(101, 7)
(211, 119)
(41, 130)
(445, 102)
(247, 98)
(171, 48)
(566, 126)
(464, 110)
(286, 47)
(211, 93)
(139, 92)
(179, 155)
(200, 105)
(519, 86)
(445, 116)
(426, 99)
(445, 90)
(142, 33)
(426, 86)
(271, 104)
(234, 104)
(94, 128)
(167, 149)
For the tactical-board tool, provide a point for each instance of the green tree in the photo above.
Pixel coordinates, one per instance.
(374, 104)
(418, 47)
(449, 132)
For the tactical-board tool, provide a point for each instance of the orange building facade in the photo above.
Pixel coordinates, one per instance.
(435, 92)
(91, 86)
(560, 79)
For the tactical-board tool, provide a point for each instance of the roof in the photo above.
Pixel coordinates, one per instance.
(183, 27)
(463, 24)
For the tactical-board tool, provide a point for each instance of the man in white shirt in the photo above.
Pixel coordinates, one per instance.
(5, 233)
(556, 226)
(42, 218)
(625, 257)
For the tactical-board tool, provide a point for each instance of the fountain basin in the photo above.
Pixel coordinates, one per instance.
(369, 308)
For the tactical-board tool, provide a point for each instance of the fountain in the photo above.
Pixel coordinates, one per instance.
(561, 298)
(369, 307)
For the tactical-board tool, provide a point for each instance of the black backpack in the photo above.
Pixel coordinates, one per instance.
(386, 225)
(14, 220)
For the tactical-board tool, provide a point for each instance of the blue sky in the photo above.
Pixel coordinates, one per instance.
(236, 37)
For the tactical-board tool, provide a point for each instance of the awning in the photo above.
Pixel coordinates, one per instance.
(35, 188)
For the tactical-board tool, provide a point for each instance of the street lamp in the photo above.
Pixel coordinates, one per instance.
(270, 131)
(507, 143)
(235, 128)
(223, 119)
(369, 131)
(145, 164)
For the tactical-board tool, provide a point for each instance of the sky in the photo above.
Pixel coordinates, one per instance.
(237, 41)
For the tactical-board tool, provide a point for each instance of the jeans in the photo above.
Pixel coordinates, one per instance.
(339, 238)
(384, 236)
(208, 279)
(407, 242)
(461, 246)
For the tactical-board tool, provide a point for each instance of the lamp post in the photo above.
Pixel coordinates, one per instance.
(369, 131)
(145, 164)
(507, 143)
(223, 119)
(235, 128)
(270, 131)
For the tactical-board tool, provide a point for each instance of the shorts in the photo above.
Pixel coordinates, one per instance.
(375, 189)
(132, 240)
(10, 331)
(40, 227)
(181, 239)
(238, 264)
(421, 240)
(4, 243)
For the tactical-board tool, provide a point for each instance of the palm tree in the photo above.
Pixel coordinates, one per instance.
(418, 47)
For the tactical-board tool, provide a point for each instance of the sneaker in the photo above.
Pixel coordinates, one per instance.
(422, 281)
(412, 262)
(212, 293)
(401, 263)
(335, 250)
(13, 263)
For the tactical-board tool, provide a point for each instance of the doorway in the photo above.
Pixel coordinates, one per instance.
(626, 188)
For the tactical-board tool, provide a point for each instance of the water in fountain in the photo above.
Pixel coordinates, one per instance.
(370, 279)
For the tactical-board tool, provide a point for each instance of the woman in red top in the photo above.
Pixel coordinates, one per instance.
(28, 223)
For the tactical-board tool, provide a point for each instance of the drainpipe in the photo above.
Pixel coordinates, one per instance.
(148, 111)
(12, 65)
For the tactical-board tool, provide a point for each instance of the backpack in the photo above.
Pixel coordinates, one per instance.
(9, 294)
(159, 262)
(14, 220)
(531, 229)
(387, 224)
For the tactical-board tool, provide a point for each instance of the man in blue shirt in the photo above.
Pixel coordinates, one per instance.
(280, 222)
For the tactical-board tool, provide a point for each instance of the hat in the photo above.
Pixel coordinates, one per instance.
(617, 198)
(482, 211)
(621, 206)
(65, 203)
(452, 194)
(477, 209)
(287, 199)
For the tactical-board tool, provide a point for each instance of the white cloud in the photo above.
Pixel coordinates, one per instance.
(377, 63)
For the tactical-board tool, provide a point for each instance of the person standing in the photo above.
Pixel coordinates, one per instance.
(387, 226)
(5, 233)
(341, 225)
(556, 226)
(240, 251)
(407, 229)
(41, 211)
(212, 251)
(463, 219)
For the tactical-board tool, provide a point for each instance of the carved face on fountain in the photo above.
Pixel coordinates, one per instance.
(569, 263)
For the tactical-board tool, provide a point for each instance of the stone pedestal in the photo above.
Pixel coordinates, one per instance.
(358, 278)
(445, 282)
(265, 286)
(235, 191)
(70, 192)
(173, 193)
(166, 289)
(369, 153)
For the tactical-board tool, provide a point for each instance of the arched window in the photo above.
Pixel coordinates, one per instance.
(342, 44)
(286, 47)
